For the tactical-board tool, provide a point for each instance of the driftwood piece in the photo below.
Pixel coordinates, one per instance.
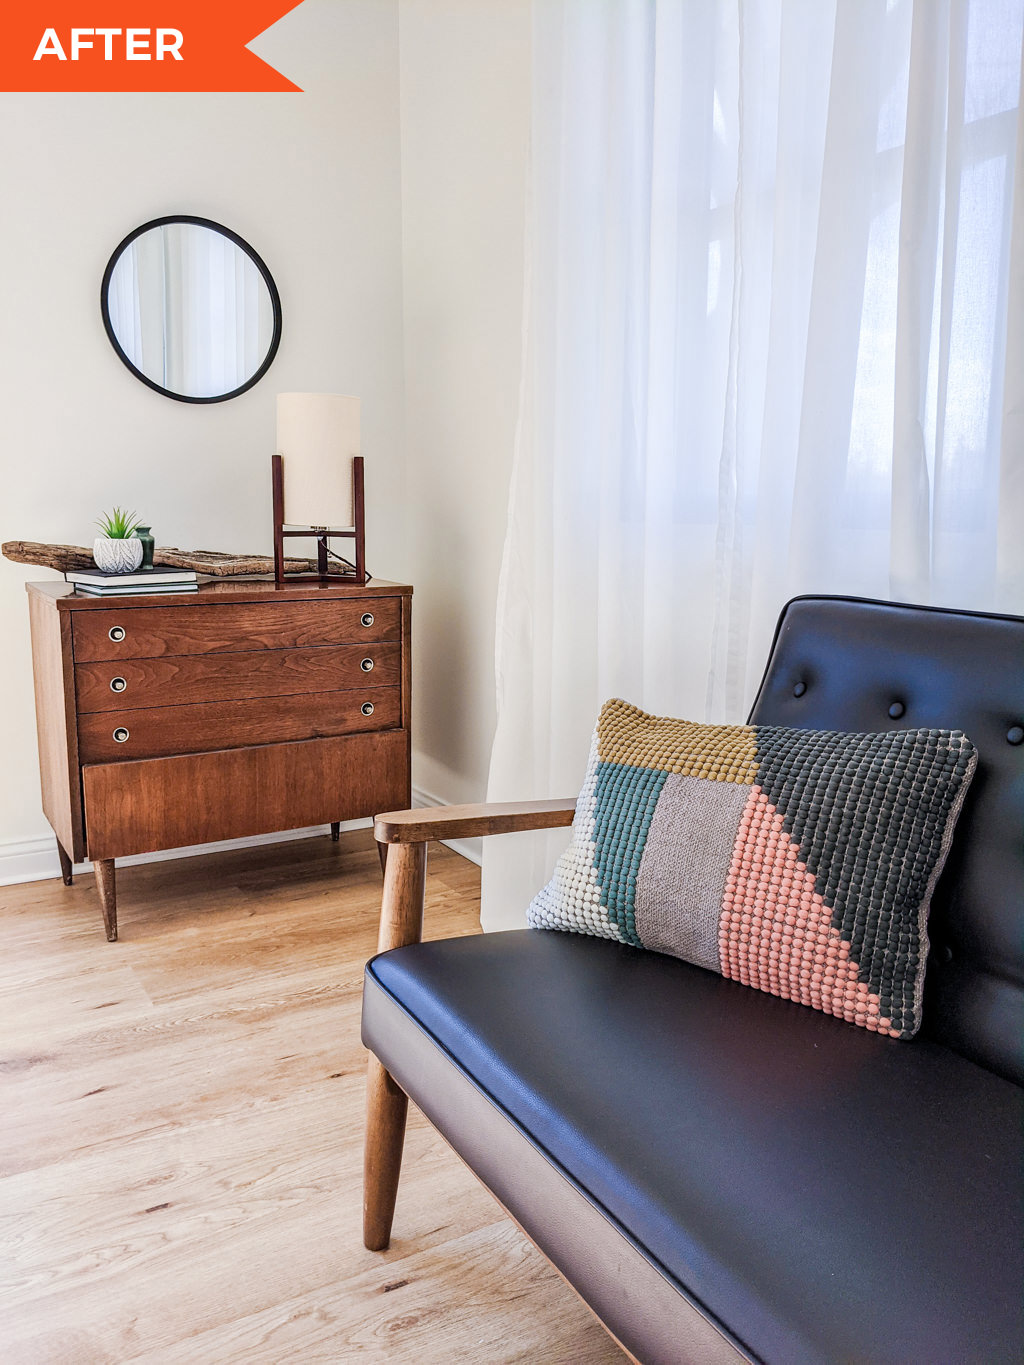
(223, 565)
(215, 562)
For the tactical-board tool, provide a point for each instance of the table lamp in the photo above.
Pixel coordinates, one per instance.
(317, 477)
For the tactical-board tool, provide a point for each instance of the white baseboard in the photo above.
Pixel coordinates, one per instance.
(28, 860)
(468, 848)
(35, 860)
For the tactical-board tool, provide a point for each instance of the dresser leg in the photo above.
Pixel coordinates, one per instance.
(104, 869)
(335, 830)
(65, 864)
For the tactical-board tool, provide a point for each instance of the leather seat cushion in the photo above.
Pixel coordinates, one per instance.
(819, 1191)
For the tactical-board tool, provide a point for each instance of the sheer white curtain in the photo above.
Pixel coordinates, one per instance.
(773, 343)
(218, 317)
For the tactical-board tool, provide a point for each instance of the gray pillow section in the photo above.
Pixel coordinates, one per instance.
(685, 863)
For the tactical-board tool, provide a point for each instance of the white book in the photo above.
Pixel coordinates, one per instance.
(81, 577)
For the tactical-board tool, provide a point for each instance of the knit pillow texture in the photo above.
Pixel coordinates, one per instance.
(800, 862)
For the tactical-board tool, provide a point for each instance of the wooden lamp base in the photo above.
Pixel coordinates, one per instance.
(357, 573)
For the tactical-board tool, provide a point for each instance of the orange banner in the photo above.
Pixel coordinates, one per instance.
(141, 45)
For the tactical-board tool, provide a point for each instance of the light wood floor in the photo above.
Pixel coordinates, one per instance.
(180, 1133)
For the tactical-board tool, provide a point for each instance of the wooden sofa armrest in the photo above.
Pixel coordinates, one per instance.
(463, 822)
(407, 832)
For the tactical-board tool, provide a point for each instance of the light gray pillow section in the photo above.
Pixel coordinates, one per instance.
(684, 866)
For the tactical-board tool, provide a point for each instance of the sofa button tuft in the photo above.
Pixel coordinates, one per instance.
(896, 710)
(1015, 734)
(799, 689)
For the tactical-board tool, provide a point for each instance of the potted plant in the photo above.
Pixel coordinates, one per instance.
(117, 550)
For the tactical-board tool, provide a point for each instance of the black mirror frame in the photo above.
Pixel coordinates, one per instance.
(275, 299)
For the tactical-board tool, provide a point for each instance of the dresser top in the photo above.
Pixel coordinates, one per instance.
(217, 591)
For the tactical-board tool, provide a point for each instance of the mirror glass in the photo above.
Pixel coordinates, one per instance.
(191, 309)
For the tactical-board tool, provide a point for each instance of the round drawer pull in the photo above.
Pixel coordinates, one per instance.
(118, 684)
(117, 634)
(120, 734)
(366, 619)
(366, 708)
(366, 665)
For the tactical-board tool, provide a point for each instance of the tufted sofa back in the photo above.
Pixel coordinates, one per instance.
(841, 663)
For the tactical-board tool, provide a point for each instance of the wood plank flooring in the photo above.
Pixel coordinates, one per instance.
(181, 1123)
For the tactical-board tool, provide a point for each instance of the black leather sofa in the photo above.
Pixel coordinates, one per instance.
(721, 1174)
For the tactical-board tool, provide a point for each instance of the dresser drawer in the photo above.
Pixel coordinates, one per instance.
(160, 730)
(152, 632)
(182, 679)
(194, 798)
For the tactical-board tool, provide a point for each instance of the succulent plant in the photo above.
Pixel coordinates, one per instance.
(118, 524)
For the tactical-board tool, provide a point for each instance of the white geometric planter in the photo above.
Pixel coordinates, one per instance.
(117, 556)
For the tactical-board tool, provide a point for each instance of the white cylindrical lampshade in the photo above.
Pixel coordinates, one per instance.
(318, 437)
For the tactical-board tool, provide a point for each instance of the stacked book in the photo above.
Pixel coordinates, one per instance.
(99, 584)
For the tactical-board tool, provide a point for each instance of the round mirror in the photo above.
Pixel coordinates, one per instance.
(191, 309)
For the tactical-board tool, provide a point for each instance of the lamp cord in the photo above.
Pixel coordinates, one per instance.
(341, 559)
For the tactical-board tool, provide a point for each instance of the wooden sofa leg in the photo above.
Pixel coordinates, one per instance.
(401, 923)
(401, 909)
(386, 1110)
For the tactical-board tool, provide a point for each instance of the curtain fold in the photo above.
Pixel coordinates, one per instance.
(772, 344)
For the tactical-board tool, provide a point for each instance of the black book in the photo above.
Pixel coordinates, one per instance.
(137, 589)
(144, 577)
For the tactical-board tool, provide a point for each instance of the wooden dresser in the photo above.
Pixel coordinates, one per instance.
(241, 709)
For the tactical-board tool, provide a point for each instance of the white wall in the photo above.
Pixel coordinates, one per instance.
(313, 182)
(465, 91)
(387, 201)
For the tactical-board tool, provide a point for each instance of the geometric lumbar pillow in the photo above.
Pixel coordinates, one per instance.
(800, 862)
